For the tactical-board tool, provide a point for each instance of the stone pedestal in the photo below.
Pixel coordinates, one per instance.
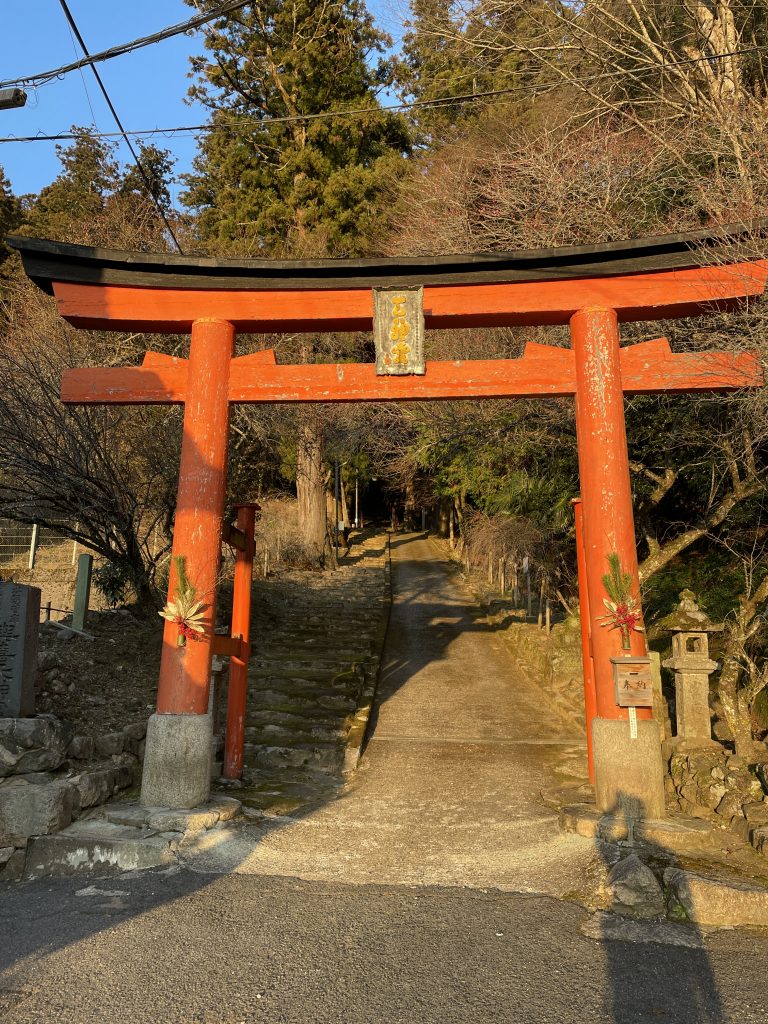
(177, 761)
(629, 773)
(19, 624)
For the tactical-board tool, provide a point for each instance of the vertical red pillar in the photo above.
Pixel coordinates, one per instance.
(628, 773)
(185, 671)
(177, 760)
(608, 518)
(588, 668)
(241, 626)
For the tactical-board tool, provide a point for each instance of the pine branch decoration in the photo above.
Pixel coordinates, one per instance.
(185, 610)
(623, 610)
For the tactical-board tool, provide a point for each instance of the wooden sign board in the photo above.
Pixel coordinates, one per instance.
(633, 683)
(398, 330)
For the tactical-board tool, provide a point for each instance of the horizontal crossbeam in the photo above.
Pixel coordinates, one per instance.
(650, 296)
(647, 368)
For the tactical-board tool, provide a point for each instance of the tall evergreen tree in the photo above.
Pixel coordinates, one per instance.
(10, 213)
(89, 173)
(268, 180)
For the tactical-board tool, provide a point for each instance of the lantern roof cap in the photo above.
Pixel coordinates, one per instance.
(689, 618)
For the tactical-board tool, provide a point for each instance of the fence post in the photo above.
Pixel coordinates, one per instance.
(33, 541)
(82, 591)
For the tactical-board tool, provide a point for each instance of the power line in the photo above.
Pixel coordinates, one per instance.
(129, 144)
(441, 101)
(117, 51)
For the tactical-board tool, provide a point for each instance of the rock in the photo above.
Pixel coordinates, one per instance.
(678, 767)
(38, 743)
(81, 748)
(14, 866)
(8, 759)
(63, 636)
(134, 736)
(712, 795)
(741, 827)
(110, 743)
(125, 774)
(58, 687)
(5, 854)
(47, 660)
(98, 847)
(136, 730)
(760, 840)
(709, 901)
(756, 813)
(729, 806)
(34, 810)
(94, 787)
(609, 928)
(635, 888)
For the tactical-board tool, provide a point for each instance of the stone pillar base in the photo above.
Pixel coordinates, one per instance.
(629, 773)
(177, 761)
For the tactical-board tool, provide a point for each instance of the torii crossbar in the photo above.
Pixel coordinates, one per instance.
(592, 288)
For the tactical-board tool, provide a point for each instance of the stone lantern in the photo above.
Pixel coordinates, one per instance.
(690, 628)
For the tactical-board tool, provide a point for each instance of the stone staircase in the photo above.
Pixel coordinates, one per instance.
(317, 641)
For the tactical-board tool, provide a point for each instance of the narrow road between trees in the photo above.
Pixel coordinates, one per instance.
(426, 894)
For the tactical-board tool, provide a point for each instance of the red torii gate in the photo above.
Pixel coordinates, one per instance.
(593, 288)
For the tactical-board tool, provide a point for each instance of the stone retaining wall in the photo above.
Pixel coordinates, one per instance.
(50, 777)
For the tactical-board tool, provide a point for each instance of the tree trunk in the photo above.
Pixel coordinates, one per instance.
(736, 715)
(310, 486)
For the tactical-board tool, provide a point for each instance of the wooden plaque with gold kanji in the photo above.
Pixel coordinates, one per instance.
(398, 330)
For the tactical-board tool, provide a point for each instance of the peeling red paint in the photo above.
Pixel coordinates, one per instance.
(605, 487)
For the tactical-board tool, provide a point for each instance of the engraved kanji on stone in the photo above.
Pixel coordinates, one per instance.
(19, 623)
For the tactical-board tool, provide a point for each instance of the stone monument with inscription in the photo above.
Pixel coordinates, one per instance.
(19, 624)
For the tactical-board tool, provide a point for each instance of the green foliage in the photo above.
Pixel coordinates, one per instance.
(92, 185)
(10, 211)
(89, 173)
(112, 581)
(443, 57)
(617, 582)
(157, 165)
(295, 186)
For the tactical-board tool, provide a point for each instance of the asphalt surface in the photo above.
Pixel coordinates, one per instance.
(425, 896)
(184, 948)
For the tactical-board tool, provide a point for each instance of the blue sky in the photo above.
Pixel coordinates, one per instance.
(147, 87)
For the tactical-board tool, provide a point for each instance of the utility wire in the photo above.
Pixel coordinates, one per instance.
(129, 144)
(323, 115)
(117, 51)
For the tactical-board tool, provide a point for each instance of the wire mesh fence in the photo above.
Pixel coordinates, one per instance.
(24, 546)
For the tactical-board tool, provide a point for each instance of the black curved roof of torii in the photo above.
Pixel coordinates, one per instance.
(48, 261)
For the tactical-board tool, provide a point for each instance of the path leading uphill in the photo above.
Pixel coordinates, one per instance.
(448, 791)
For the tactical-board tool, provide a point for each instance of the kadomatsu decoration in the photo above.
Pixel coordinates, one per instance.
(623, 610)
(185, 610)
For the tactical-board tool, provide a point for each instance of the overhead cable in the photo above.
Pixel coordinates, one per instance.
(129, 144)
(117, 51)
(355, 112)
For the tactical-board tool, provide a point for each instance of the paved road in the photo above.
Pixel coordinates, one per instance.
(424, 896)
(186, 948)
